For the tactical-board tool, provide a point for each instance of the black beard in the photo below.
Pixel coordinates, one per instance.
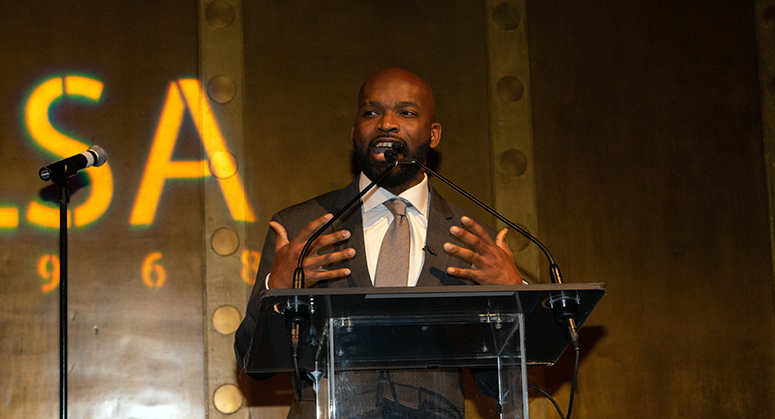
(399, 175)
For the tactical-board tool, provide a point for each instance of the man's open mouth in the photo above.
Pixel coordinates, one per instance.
(381, 147)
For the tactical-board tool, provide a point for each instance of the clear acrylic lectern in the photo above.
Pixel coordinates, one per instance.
(362, 345)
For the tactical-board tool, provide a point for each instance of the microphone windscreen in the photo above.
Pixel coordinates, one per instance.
(102, 155)
(391, 156)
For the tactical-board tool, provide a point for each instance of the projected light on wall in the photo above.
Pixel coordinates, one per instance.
(185, 98)
(43, 132)
(183, 95)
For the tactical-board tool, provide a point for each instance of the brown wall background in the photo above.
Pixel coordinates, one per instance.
(651, 178)
(649, 167)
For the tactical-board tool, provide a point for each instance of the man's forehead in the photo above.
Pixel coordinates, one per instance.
(394, 92)
(382, 104)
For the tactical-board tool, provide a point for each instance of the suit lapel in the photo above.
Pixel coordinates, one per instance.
(352, 222)
(433, 272)
(440, 219)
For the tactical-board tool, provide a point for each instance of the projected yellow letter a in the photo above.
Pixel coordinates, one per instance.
(187, 93)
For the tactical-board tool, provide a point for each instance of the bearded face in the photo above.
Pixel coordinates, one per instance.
(394, 107)
(372, 166)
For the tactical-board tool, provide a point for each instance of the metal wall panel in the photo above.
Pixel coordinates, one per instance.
(651, 148)
(135, 316)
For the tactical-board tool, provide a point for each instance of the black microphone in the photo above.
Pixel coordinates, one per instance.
(392, 155)
(66, 168)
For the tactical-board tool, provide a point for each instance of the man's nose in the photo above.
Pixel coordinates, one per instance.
(388, 123)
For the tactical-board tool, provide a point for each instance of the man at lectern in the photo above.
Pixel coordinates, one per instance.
(403, 234)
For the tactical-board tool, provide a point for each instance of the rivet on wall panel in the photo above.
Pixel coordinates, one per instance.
(769, 18)
(228, 399)
(223, 164)
(510, 89)
(513, 162)
(225, 241)
(221, 89)
(220, 14)
(226, 320)
(506, 17)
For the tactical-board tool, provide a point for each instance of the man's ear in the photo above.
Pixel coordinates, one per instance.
(435, 134)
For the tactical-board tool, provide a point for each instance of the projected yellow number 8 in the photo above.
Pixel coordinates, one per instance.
(151, 269)
(48, 268)
(250, 260)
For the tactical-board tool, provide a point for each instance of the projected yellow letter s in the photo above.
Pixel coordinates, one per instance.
(44, 133)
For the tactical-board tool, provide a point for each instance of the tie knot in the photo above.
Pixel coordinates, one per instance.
(396, 207)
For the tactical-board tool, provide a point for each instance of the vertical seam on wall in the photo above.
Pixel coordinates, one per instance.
(511, 130)
(765, 42)
(224, 294)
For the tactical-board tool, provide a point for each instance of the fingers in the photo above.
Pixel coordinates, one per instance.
(476, 228)
(467, 255)
(472, 274)
(313, 266)
(500, 241)
(317, 276)
(287, 254)
(491, 261)
(312, 227)
(282, 235)
(314, 262)
(318, 261)
(476, 236)
(328, 240)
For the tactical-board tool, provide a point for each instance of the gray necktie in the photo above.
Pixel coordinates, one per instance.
(393, 262)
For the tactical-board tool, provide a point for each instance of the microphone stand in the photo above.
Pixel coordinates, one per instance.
(297, 311)
(565, 311)
(68, 168)
(64, 200)
(563, 304)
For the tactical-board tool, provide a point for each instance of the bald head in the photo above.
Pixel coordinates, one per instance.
(397, 79)
(395, 108)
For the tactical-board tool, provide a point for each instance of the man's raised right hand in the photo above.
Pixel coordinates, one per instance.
(286, 255)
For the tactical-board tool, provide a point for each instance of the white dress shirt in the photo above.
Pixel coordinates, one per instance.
(377, 218)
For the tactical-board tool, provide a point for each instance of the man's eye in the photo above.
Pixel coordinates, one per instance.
(369, 113)
(408, 113)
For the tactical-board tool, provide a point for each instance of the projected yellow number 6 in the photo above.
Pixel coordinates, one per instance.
(151, 269)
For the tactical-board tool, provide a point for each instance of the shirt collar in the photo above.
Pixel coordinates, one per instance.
(416, 195)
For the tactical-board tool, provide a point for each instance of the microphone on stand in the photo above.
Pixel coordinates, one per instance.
(564, 305)
(66, 168)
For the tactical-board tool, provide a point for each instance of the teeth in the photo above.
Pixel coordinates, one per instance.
(384, 145)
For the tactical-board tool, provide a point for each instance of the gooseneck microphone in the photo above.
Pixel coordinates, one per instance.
(296, 311)
(67, 168)
(298, 275)
(564, 305)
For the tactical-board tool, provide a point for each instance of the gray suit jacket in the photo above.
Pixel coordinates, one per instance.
(406, 388)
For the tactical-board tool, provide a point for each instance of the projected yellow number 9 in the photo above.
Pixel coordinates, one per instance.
(48, 268)
(152, 269)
